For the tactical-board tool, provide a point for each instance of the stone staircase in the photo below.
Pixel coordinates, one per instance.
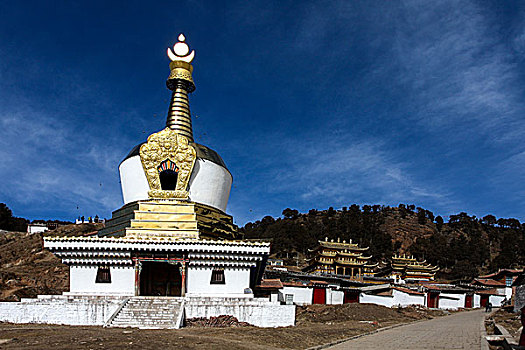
(149, 312)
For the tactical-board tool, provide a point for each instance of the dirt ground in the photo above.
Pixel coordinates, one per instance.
(316, 325)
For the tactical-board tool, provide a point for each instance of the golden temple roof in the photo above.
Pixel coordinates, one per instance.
(341, 245)
(408, 265)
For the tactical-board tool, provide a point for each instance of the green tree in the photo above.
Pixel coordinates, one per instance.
(290, 213)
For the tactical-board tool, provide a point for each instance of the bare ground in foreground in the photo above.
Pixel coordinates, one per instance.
(316, 325)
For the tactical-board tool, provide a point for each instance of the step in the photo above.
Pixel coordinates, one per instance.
(149, 312)
(175, 207)
(164, 224)
(165, 216)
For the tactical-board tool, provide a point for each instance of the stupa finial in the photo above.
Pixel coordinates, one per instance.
(181, 83)
(181, 51)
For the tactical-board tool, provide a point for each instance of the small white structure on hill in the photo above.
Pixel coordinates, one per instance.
(36, 228)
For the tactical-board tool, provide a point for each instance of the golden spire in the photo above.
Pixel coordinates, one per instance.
(181, 83)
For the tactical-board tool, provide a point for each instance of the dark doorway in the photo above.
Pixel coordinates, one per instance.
(168, 173)
(160, 279)
(351, 297)
(168, 179)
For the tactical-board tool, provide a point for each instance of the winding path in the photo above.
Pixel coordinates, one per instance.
(462, 330)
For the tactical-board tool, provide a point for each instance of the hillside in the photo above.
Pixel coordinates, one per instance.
(26, 269)
(464, 247)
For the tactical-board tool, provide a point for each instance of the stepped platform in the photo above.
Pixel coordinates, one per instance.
(169, 219)
(150, 313)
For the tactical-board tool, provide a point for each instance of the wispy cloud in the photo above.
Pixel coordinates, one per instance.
(313, 173)
(339, 171)
(51, 168)
(459, 73)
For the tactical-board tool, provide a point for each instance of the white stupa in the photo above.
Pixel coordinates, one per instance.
(170, 244)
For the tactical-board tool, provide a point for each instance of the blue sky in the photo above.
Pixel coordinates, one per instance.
(310, 103)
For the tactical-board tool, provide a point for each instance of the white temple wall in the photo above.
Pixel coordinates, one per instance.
(385, 300)
(236, 279)
(476, 301)
(449, 302)
(210, 183)
(133, 180)
(334, 297)
(496, 300)
(460, 303)
(58, 309)
(301, 295)
(82, 280)
(405, 299)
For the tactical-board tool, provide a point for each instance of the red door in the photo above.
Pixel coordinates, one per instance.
(432, 300)
(468, 301)
(484, 300)
(319, 296)
(351, 297)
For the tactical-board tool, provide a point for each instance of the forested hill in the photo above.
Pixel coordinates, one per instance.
(463, 247)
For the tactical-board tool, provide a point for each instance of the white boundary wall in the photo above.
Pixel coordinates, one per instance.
(301, 295)
(398, 298)
(496, 300)
(259, 312)
(456, 300)
(447, 302)
(334, 297)
(58, 309)
(96, 310)
(384, 300)
(405, 299)
(476, 301)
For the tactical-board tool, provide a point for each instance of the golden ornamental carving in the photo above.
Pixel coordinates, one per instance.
(167, 145)
(180, 74)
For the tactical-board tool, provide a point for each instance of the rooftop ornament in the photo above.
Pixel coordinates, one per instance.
(181, 51)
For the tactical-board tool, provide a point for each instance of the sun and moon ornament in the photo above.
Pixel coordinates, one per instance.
(168, 146)
(181, 51)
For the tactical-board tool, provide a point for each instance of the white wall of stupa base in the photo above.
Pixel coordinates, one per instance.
(198, 281)
(82, 280)
(236, 281)
(209, 184)
(201, 257)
